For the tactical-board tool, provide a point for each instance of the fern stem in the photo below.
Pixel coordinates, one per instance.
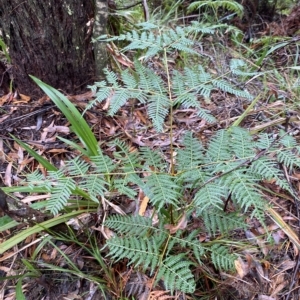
(172, 164)
(160, 262)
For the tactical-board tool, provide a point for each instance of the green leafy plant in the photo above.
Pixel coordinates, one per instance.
(231, 166)
(231, 5)
(196, 184)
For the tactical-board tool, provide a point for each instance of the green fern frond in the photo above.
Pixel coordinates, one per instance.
(95, 185)
(287, 140)
(228, 88)
(112, 78)
(237, 67)
(176, 274)
(77, 167)
(268, 169)
(153, 159)
(162, 189)
(158, 109)
(102, 163)
(192, 155)
(130, 160)
(187, 242)
(60, 194)
(221, 257)
(102, 92)
(36, 178)
(215, 4)
(217, 221)
(204, 114)
(288, 158)
(119, 98)
(241, 143)
(192, 178)
(129, 81)
(211, 195)
(139, 251)
(243, 188)
(130, 225)
(121, 183)
(264, 141)
(218, 148)
(205, 28)
(188, 86)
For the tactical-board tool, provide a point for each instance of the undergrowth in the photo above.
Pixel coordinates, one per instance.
(195, 181)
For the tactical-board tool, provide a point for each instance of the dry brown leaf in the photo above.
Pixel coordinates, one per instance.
(30, 199)
(160, 295)
(107, 233)
(181, 225)
(143, 206)
(241, 267)
(108, 99)
(279, 288)
(264, 297)
(2, 155)
(8, 176)
(61, 129)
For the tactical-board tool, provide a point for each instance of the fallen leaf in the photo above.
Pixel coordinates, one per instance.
(143, 206)
(181, 225)
(241, 267)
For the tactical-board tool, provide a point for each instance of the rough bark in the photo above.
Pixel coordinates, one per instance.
(50, 40)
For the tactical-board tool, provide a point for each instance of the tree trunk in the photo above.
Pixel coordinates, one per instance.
(50, 40)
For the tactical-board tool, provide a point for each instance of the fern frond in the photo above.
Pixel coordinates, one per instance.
(139, 251)
(188, 86)
(36, 178)
(162, 189)
(130, 225)
(237, 67)
(187, 242)
(95, 185)
(264, 141)
(241, 143)
(215, 4)
(228, 88)
(192, 155)
(158, 109)
(288, 158)
(130, 160)
(177, 39)
(121, 183)
(175, 272)
(60, 194)
(205, 28)
(119, 98)
(211, 195)
(217, 221)
(218, 148)
(268, 169)
(221, 257)
(77, 166)
(102, 93)
(243, 188)
(152, 159)
(102, 163)
(204, 114)
(287, 140)
(192, 177)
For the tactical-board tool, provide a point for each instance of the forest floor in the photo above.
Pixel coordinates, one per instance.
(270, 269)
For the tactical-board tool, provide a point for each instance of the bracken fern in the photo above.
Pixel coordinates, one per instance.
(206, 175)
(229, 167)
